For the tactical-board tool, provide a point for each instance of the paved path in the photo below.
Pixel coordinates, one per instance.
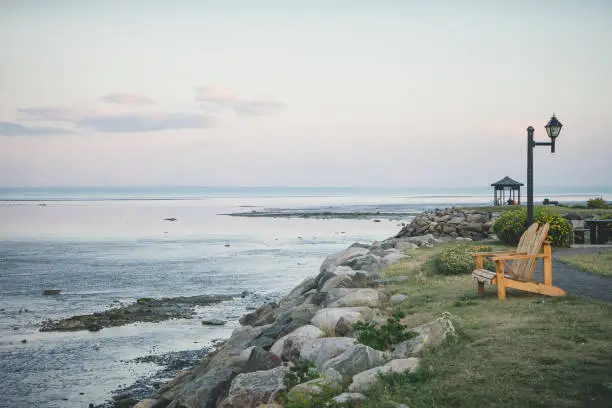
(576, 281)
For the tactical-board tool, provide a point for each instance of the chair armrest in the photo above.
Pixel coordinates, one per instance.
(509, 257)
(496, 253)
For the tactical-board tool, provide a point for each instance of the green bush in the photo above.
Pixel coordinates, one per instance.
(512, 224)
(597, 202)
(457, 259)
(302, 371)
(383, 338)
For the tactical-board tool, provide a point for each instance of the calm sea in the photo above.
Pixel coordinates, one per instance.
(107, 246)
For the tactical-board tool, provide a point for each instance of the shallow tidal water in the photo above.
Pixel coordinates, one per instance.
(102, 254)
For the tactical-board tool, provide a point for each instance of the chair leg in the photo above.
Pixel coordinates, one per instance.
(501, 284)
(481, 290)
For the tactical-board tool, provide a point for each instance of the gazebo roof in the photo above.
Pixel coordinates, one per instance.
(507, 182)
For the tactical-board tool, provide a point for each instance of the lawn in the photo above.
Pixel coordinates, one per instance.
(527, 351)
(599, 262)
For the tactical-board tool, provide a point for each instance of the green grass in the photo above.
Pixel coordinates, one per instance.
(600, 212)
(599, 262)
(527, 351)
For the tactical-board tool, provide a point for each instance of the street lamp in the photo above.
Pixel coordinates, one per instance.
(553, 128)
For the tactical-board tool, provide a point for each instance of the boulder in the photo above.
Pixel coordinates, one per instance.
(338, 281)
(363, 381)
(307, 390)
(402, 245)
(397, 298)
(303, 313)
(392, 258)
(262, 316)
(261, 360)
(327, 319)
(288, 345)
(331, 262)
(146, 403)
(252, 389)
(213, 322)
(203, 386)
(367, 262)
(354, 360)
(322, 349)
(429, 335)
(306, 285)
(362, 297)
(348, 397)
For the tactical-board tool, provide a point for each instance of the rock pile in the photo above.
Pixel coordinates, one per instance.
(313, 322)
(451, 223)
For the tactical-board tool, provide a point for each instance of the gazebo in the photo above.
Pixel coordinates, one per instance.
(500, 197)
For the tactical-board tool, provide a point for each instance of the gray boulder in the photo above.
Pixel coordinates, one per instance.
(327, 319)
(429, 335)
(354, 360)
(261, 360)
(331, 262)
(322, 349)
(262, 316)
(290, 345)
(306, 285)
(362, 297)
(397, 298)
(348, 397)
(367, 262)
(252, 389)
(363, 381)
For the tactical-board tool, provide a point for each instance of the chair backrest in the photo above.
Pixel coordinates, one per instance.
(530, 243)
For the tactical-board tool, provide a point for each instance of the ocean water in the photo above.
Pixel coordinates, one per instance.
(107, 246)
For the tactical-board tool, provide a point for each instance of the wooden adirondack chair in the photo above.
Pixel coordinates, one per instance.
(518, 274)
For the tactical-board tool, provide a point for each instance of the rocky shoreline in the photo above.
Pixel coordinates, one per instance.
(143, 310)
(392, 216)
(313, 322)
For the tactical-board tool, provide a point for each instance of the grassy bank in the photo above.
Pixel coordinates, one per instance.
(561, 209)
(599, 263)
(528, 351)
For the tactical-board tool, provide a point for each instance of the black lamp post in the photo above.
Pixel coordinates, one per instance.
(553, 128)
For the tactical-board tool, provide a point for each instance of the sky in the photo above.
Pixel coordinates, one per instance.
(303, 93)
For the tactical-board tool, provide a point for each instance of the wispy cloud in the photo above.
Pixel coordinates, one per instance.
(127, 99)
(120, 122)
(145, 123)
(215, 98)
(15, 129)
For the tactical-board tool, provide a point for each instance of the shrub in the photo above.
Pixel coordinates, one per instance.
(560, 229)
(597, 202)
(512, 224)
(458, 259)
(383, 338)
(302, 371)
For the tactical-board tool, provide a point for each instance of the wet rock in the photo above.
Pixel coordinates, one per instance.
(144, 310)
(146, 403)
(261, 316)
(52, 291)
(170, 219)
(213, 322)
(264, 342)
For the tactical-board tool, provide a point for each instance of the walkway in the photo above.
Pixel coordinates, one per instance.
(576, 281)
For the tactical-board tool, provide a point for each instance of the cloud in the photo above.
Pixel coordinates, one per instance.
(120, 122)
(127, 99)
(145, 123)
(15, 129)
(50, 114)
(216, 98)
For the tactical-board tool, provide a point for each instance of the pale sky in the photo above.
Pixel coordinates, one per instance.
(303, 93)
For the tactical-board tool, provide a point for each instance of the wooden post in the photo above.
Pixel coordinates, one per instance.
(547, 264)
(481, 288)
(501, 285)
